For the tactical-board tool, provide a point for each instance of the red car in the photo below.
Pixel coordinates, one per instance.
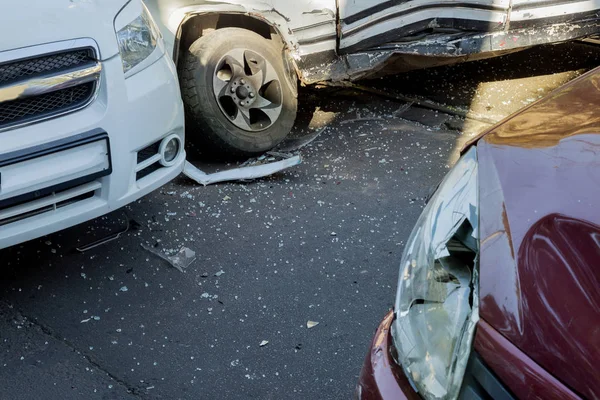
(499, 288)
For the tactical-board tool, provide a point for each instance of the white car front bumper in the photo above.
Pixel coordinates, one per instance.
(135, 114)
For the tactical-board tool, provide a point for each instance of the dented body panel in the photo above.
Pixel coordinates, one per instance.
(365, 23)
(305, 29)
(337, 40)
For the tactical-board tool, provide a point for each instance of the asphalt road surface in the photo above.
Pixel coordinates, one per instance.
(319, 242)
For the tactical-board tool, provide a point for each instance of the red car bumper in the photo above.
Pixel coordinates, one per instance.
(381, 377)
(510, 370)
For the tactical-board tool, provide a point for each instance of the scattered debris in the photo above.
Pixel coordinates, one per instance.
(124, 289)
(219, 273)
(264, 343)
(104, 240)
(298, 143)
(242, 173)
(311, 324)
(419, 102)
(364, 119)
(183, 259)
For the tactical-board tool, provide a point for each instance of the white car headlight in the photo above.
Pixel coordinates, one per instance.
(139, 38)
(437, 301)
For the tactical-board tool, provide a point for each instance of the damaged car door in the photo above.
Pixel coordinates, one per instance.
(413, 34)
(365, 24)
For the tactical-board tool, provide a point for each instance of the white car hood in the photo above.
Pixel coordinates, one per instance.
(25, 23)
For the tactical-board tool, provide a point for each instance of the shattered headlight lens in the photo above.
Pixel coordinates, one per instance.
(437, 300)
(137, 40)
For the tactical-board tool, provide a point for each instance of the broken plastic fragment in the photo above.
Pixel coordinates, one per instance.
(264, 343)
(219, 273)
(183, 259)
(124, 289)
(243, 173)
(311, 324)
(104, 240)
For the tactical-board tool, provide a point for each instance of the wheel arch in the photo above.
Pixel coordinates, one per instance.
(269, 24)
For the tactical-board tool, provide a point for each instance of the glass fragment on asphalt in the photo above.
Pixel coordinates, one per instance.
(183, 259)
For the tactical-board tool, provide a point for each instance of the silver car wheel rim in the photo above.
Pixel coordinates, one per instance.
(248, 90)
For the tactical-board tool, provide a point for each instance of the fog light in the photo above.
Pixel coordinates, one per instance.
(169, 150)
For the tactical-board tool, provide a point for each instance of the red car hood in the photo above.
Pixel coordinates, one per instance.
(540, 232)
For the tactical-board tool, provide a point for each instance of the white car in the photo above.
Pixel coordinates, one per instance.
(91, 116)
(240, 61)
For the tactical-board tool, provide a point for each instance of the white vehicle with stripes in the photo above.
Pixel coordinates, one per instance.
(240, 61)
(91, 116)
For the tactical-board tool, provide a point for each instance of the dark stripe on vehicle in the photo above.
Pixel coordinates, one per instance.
(56, 146)
(308, 61)
(389, 4)
(407, 12)
(476, 43)
(317, 39)
(389, 36)
(307, 27)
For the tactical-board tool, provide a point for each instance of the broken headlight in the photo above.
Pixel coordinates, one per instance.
(436, 304)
